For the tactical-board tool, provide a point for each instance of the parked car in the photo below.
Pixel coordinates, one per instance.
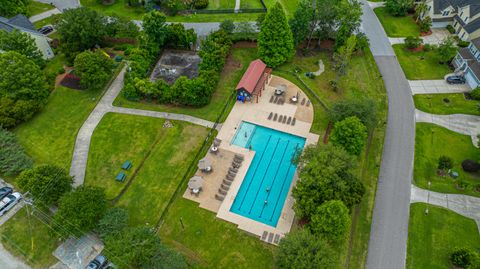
(4, 192)
(46, 29)
(99, 262)
(455, 80)
(10, 201)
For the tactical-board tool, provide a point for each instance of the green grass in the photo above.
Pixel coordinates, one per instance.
(119, 8)
(210, 242)
(457, 104)
(417, 68)
(397, 26)
(245, 4)
(221, 4)
(433, 141)
(229, 79)
(433, 237)
(30, 239)
(47, 21)
(35, 8)
(288, 5)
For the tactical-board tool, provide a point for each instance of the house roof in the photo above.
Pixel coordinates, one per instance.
(472, 26)
(440, 5)
(476, 42)
(251, 77)
(19, 22)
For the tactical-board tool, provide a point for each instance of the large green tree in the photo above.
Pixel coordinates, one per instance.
(10, 8)
(364, 109)
(79, 210)
(446, 50)
(80, 29)
(302, 250)
(349, 21)
(46, 183)
(275, 40)
(140, 247)
(21, 43)
(113, 222)
(331, 221)
(94, 69)
(155, 27)
(350, 134)
(301, 23)
(13, 158)
(326, 173)
(23, 88)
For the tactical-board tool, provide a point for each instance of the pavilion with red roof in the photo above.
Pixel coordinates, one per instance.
(253, 81)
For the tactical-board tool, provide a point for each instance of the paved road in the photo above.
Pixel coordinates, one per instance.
(389, 230)
(62, 4)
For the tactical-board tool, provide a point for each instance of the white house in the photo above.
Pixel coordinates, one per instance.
(467, 62)
(21, 23)
(463, 15)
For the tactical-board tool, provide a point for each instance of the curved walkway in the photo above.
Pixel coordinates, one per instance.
(84, 136)
(465, 205)
(389, 231)
(459, 123)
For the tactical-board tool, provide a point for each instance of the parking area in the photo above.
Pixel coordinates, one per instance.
(14, 209)
(436, 86)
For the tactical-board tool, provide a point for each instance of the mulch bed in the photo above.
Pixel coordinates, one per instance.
(426, 33)
(244, 44)
(327, 133)
(71, 81)
(418, 49)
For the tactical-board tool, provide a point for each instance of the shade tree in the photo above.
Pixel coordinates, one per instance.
(21, 43)
(331, 221)
(350, 134)
(93, 68)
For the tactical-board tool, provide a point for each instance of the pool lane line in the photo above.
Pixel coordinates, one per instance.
(274, 178)
(264, 174)
(249, 141)
(256, 169)
(284, 180)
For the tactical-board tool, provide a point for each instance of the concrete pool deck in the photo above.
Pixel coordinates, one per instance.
(256, 113)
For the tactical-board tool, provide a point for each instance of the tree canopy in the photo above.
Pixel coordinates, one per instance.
(23, 89)
(398, 7)
(13, 158)
(155, 28)
(302, 250)
(275, 40)
(350, 134)
(46, 183)
(331, 221)
(10, 8)
(80, 29)
(21, 43)
(93, 68)
(113, 222)
(79, 210)
(326, 173)
(364, 109)
(301, 22)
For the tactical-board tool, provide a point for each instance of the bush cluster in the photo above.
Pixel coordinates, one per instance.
(475, 94)
(13, 158)
(190, 92)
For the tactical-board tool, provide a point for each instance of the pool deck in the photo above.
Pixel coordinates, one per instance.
(256, 113)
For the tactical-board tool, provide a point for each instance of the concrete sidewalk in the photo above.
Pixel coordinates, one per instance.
(436, 86)
(44, 15)
(467, 206)
(437, 37)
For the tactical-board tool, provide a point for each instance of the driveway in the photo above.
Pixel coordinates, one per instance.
(436, 86)
(389, 231)
(437, 37)
(8, 261)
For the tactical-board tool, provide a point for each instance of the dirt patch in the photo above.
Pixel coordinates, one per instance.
(417, 49)
(176, 63)
(231, 65)
(327, 133)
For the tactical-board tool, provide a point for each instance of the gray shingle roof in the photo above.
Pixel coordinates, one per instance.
(440, 5)
(19, 22)
(472, 26)
(22, 21)
(476, 42)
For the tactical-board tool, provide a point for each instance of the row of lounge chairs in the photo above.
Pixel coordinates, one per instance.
(303, 102)
(282, 119)
(227, 181)
(279, 100)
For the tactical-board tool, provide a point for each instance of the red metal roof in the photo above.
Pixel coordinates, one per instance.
(252, 76)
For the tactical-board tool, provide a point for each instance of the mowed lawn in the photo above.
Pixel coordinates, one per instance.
(229, 79)
(246, 4)
(397, 26)
(433, 141)
(30, 239)
(209, 242)
(433, 237)
(454, 103)
(119, 8)
(420, 65)
(221, 4)
(35, 8)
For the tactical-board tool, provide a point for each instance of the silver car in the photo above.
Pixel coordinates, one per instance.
(9, 202)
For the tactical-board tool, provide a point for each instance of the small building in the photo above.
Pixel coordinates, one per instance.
(253, 81)
(467, 63)
(22, 24)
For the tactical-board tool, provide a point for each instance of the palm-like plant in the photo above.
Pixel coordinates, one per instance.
(420, 9)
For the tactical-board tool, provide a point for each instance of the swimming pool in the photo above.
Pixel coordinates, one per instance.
(265, 187)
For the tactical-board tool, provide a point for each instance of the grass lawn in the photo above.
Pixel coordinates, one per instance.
(416, 68)
(432, 237)
(35, 245)
(245, 4)
(221, 4)
(35, 8)
(119, 8)
(46, 21)
(210, 242)
(433, 141)
(397, 26)
(229, 79)
(457, 104)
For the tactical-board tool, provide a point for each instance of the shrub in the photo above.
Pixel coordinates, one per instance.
(463, 257)
(427, 47)
(13, 158)
(463, 44)
(470, 166)
(228, 26)
(475, 94)
(331, 221)
(445, 163)
(113, 222)
(93, 68)
(350, 134)
(451, 29)
(412, 42)
(425, 24)
(398, 7)
(200, 4)
(364, 109)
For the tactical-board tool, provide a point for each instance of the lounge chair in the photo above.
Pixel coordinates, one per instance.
(289, 120)
(232, 173)
(308, 103)
(270, 238)
(219, 197)
(275, 100)
(303, 101)
(226, 182)
(284, 119)
(224, 187)
(235, 170)
(280, 118)
(270, 115)
(236, 165)
(238, 156)
(276, 239)
(222, 191)
(275, 117)
(231, 176)
(238, 160)
(293, 121)
(264, 235)
(271, 98)
(216, 142)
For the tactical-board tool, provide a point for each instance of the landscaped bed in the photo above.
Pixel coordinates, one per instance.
(420, 64)
(431, 143)
(434, 236)
(397, 26)
(455, 103)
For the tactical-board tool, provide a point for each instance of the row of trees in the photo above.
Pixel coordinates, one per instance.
(191, 92)
(13, 158)
(10, 8)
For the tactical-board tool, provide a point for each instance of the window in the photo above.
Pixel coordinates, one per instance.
(462, 35)
(445, 13)
(455, 24)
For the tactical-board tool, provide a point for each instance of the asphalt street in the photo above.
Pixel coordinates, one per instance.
(389, 231)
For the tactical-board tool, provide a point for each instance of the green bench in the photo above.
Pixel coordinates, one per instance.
(121, 177)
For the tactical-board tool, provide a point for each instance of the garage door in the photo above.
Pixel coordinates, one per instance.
(472, 81)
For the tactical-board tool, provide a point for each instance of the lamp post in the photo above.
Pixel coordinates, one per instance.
(428, 197)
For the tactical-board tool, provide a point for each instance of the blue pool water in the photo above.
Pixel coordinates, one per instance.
(265, 187)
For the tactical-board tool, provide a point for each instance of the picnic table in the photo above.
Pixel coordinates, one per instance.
(121, 176)
(127, 165)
